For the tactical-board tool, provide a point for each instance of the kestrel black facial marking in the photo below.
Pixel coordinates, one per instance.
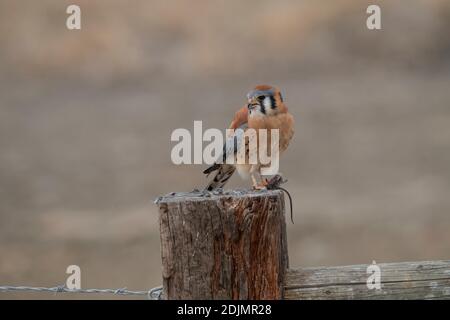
(273, 103)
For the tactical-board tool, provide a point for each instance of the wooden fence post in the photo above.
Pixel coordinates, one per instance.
(229, 245)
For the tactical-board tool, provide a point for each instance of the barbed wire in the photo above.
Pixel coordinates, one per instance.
(152, 294)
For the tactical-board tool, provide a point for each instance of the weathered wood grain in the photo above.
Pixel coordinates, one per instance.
(405, 280)
(223, 245)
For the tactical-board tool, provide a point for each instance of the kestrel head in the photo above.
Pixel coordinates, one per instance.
(265, 100)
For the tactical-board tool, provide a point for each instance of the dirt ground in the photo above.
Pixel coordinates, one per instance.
(86, 118)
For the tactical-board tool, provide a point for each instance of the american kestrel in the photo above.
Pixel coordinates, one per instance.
(265, 109)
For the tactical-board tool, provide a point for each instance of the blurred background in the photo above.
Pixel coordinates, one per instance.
(86, 118)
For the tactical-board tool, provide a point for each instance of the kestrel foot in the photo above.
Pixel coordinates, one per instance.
(259, 187)
(262, 185)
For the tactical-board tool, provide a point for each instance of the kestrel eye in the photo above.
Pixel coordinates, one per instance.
(261, 98)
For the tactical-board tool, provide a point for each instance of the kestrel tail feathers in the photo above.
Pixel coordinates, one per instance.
(224, 173)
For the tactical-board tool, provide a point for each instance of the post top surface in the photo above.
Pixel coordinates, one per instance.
(197, 195)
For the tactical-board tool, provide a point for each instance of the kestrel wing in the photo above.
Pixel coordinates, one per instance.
(231, 146)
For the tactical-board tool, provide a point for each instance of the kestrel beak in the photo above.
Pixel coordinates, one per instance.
(253, 102)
